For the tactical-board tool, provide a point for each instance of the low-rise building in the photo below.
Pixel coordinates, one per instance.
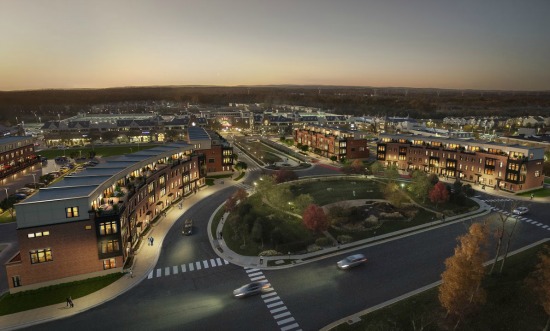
(89, 223)
(329, 142)
(512, 168)
(16, 153)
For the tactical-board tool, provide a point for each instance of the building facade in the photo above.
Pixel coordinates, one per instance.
(512, 168)
(217, 151)
(329, 142)
(89, 223)
(16, 154)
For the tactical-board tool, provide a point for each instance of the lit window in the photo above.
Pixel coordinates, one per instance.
(109, 246)
(107, 228)
(72, 212)
(109, 264)
(41, 255)
(88, 227)
(30, 235)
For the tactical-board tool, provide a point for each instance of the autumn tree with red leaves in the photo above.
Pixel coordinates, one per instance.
(439, 194)
(314, 218)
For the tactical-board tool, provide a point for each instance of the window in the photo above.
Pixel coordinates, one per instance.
(109, 246)
(16, 281)
(109, 264)
(211, 160)
(107, 228)
(72, 212)
(537, 173)
(38, 234)
(88, 227)
(41, 255)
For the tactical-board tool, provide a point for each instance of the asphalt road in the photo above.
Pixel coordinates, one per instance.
(315, 293)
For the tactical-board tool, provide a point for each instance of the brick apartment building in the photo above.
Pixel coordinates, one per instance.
(512, 168)
(16, 153)
(88, 223)
(217, 151)
(328, 142)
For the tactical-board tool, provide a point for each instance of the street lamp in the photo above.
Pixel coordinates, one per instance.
(6, 193)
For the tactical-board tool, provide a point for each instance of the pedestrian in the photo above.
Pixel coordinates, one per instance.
(68, 302)
(71, 301)
(532, 195)
(152, 240)
(131, 273)
(148, 241)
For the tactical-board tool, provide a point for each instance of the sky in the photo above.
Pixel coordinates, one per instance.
(467, 44)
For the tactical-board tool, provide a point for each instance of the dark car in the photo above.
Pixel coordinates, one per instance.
(351, 261)
(19, 196)
(251, 289)
(187, 227)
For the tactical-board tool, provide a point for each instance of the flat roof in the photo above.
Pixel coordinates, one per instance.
(84, 183)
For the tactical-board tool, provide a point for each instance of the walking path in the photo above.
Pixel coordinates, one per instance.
(147, 257)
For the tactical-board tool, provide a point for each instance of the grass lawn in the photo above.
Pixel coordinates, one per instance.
(510, 306)
(540, 193)
(104, 151)
(13, 303)
(294, 237)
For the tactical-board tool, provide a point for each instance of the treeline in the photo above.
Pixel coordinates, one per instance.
(418, 103)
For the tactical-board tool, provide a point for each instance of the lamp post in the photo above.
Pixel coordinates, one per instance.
(6, 193)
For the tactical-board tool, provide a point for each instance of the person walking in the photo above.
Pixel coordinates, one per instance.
(68, 301)
(152, 240)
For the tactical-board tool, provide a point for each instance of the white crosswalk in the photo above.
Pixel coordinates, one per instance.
(497, 200)
(521, 218)
(191, 266)
(274, 303)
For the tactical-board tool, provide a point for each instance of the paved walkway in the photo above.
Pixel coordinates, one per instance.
(147, 257)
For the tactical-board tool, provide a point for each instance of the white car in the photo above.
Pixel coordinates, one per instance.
(351, 261)
(520, 211)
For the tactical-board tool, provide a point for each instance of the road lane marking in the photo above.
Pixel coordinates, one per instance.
(219, 261)
(281, 315)
(175, 269)
(257, 278)
(276, 310)
(275, 304)
(290, 327)
(272, 299)
(205, 264)
(285, 321)
(255, 274)
(159, 272)
(167, 271)
(270, 294)
(183, 268)
(198, 265)
(191, 267)
(213, 262)
(150, 275)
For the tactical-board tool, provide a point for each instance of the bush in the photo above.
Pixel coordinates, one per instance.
(323, 242)
(373, 220)
(344, 238)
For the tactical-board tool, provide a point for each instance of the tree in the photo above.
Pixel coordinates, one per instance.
(420, 185)
(439, 194)
(241, 166)
(230, 204)
(391, 173)
(504, 231)
(460, 292)
(240, 194)
(539, 282)
(284, 175)
(333, 158)
(314, 218)
(257, 232)
(301, 202)
(376, 167)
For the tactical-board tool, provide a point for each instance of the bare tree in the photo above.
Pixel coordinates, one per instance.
(504, 230)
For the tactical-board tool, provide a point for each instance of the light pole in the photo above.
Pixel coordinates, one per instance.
(6, 193)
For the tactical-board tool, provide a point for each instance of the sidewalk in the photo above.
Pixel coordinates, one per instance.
(147, 256)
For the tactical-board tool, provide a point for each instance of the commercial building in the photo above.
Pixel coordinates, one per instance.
(329, 142)
(89, 223)
(16, 154)
(512, 168)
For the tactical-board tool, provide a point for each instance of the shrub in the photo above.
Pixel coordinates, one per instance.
(324, 241)
(373, 220)
(344, 238)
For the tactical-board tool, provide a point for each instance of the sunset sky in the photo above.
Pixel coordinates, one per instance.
(468, 44)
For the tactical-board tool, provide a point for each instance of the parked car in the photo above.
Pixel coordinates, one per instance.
(25, 190)
(187, 227)
(351, 261)
(19, 196)
(251, 289)
(520, 211)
